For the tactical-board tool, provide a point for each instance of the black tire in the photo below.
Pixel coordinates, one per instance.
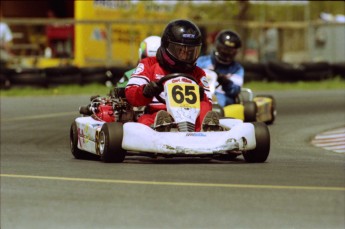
(93, 75)
(262, 150)
(109, 142)
(253, 76)
(5, 83)
(62, 75)
(28, 77)
(76, 152)
(248, 66)
(273, 108)
(253, 71)
(317, 71)
(250, 110)
(338, 69)
(284, 72)
(114, 74)
(219, 109)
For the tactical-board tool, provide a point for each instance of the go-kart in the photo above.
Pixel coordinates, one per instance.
(108, 127)
(249, 108)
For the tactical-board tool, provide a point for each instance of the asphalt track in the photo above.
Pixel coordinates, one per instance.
(43, 186)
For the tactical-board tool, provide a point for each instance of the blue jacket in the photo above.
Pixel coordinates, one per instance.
(234, 72)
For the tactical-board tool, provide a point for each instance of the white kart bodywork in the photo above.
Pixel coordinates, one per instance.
(141, 138)
(138, 137)
(112, 140)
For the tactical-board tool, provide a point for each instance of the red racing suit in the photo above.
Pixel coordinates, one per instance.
(149, 70)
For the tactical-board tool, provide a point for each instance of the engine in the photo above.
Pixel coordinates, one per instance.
(112, 108)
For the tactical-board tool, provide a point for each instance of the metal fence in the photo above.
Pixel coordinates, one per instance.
(298, 41)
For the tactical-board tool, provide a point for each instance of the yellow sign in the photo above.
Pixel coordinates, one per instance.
(115, 39)
(184, 95)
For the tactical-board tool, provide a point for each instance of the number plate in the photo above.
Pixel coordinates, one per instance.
(184, 95)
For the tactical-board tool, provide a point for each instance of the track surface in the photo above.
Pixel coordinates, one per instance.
(43, 186)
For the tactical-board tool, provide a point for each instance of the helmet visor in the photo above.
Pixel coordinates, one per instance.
(225, 54)
(183, 52)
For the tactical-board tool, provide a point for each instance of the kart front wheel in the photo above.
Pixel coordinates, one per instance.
(76, 152)
(262, 149)
(110, 142)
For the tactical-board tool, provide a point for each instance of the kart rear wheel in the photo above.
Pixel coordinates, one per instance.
(250, 110)
(262, 150)
(110, 142)
(273, 110)
(76, 152)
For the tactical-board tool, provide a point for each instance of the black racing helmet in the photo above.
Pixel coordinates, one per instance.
(226, 44)
(180, 46)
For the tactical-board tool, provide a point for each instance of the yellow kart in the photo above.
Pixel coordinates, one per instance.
(261, 108)
(249, 108)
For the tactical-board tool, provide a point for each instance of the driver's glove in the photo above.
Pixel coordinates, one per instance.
(223, 80)
(152, 89)
(232, 90)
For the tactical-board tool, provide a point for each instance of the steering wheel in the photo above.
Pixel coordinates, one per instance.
(162, 80)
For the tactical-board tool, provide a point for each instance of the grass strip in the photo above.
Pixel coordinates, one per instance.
(101, 89)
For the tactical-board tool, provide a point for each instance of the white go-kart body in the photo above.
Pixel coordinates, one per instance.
(116, 137)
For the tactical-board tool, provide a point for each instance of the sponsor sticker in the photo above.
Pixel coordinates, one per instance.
(188, 35)
(139, 69)
(204, 81)
(195, 135)
(228, 43)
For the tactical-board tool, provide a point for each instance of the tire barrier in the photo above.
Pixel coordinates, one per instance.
(271, 71)
(317, 71)
(254, 71)
(116, 73)
(27, 77)
(94, 75)
(63, 75)
(338, 69)
(5, 82)
(284, 72)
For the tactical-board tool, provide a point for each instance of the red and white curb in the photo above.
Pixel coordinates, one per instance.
(333, 140)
